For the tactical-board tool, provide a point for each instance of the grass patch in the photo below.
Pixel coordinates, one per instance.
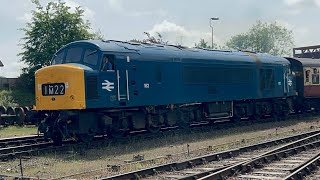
(12, 131)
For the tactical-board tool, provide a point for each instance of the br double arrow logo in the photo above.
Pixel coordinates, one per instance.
(108, 85)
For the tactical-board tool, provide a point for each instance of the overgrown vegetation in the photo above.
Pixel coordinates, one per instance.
(151, 39)
(16, 98)
(6, 99)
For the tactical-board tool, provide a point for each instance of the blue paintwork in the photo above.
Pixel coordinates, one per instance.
(146, 61)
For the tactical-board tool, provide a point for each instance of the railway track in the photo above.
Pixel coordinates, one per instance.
(292, 163)
(209, 164)
(11, 148)
(288, 164)
(15, 141)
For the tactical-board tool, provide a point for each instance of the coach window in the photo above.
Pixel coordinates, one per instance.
(315, 76)
(307, 75)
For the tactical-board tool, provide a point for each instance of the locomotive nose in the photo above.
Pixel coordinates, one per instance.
(60, 87)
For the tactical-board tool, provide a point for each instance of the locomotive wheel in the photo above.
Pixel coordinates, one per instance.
(11, 111)
(20, 116)
(2, 122)
(181, 121)
(153, 124)
(256, 117)
(277, 112)
(235, 119)
(3, 110)
(119, 127)
(57, 139)
(257, 113)
(86, 138)
(117, 133)
(171, 118)
(26, 109)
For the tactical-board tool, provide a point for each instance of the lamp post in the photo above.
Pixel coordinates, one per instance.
(212, 19)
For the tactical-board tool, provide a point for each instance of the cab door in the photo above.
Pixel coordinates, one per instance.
(122, 78)
(289, 82)
(107, 82)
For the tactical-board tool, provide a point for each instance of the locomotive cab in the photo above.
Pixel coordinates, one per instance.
(62, 85)
(81, 79)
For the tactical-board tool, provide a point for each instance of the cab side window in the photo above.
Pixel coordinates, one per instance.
(107, 63)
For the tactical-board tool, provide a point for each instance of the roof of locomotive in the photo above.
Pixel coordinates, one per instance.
(308, 62)
(181, 52)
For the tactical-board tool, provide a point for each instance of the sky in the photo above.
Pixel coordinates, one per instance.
(182, 22)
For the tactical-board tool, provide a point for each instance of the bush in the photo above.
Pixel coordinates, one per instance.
(6, 99)
(16, 98)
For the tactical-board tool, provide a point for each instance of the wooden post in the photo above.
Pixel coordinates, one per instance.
(21, 168)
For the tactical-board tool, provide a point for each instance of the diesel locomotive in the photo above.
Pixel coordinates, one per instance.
(96, 87)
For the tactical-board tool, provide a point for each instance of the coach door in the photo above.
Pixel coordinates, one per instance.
(122, 76)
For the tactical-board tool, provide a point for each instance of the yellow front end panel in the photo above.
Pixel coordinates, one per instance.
(74, 92)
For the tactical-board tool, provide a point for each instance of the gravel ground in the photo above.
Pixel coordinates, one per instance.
(173, 148)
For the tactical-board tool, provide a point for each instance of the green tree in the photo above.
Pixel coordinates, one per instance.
(205, 44)
(51, 27)
(269, 38)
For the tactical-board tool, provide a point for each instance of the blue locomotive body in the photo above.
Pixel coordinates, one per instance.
(156, 80)
(145, 75)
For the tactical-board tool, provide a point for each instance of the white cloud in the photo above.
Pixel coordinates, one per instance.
(88, 13)
(317, 2)
(27, 17)
(292, 2)
(285, 24)
(293, 11)
(117, 6)
(11, 68)
(298, 31)
(183, 36)
(296, 7)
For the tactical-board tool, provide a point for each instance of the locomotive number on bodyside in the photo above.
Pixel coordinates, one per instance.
(53, 89)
